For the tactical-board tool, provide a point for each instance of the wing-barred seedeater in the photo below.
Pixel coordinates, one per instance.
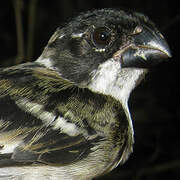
(65, 116)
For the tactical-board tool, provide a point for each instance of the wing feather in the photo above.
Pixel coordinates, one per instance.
(31, 128)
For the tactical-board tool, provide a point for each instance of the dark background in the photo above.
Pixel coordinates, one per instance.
(26, 26)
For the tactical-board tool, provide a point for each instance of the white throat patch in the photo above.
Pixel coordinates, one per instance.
(104, 77)
(111, 79)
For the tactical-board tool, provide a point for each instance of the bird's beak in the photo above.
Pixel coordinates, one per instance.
(148, 49)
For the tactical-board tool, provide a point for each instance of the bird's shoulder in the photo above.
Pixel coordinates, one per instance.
(47, 119)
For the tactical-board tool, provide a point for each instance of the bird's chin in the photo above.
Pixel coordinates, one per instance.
(127, 80)
(111, 79)
(133, 75)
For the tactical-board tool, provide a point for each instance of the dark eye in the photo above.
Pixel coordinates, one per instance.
(101, 37)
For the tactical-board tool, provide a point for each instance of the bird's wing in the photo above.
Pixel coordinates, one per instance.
(34, 127)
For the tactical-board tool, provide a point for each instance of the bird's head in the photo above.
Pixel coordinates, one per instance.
(106, 50)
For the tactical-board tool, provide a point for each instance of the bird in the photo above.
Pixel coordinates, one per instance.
(65, 115)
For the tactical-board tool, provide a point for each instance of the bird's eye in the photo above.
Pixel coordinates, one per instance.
(101, 37)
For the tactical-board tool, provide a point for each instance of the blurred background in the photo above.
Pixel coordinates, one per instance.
(26, 26)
